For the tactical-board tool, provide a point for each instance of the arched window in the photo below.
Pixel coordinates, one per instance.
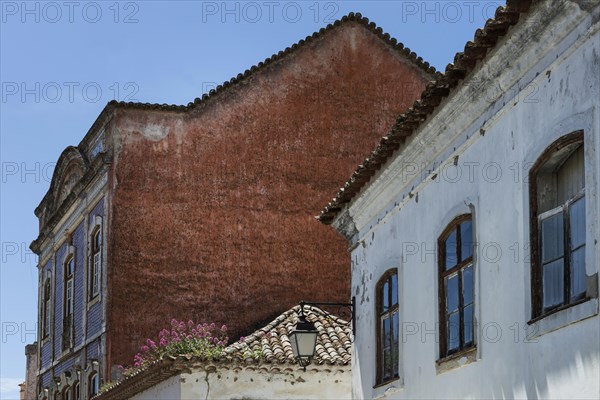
(46, 309)
(455, 261)
(558, 222)
(67, 394)
(76, 391)
(67, 328)
(94, 384)
(96, 263)
(69, 271)
(387, 327)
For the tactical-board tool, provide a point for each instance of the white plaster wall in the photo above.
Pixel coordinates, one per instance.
(547, 73)
(253, 384)
(167, 389)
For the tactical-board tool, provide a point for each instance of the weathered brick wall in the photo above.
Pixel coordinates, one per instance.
(213, 210)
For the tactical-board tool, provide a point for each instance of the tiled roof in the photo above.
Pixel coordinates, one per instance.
(407, 123)
(273, 344)
(267, 349)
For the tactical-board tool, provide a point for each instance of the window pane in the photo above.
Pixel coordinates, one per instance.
(468, 321)
(394, 290)
(387, 362)
(386, 333)
(395, 327)
(451, 293)
(552, 237)
(466, 239)
(578, 274)
(450, 245)
(577, 223)
(553, 283)
(467, 275)
(453, 332)
(385, 296)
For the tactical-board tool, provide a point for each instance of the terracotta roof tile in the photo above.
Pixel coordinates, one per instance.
(263, 350)
(273, 344)
(408, 122)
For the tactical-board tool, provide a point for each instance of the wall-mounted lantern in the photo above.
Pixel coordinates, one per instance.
(304, 336)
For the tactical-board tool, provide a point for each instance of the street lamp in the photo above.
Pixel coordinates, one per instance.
(304, 336)
(303, 340)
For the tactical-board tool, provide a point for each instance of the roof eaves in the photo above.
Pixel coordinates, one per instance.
(407, 123)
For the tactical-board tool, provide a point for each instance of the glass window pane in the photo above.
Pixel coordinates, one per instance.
(387, 363)
(577, 223)
(468, 321)
(395, 327)
(386, 333)
(385, 297)
(450, 246)
(394, 290)
(578, 274)
(552, 237)
(451, 293)
(553, 283)
(467, 276)
(466, 239)
(453, 332)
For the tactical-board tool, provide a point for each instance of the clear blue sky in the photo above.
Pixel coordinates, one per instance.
(61, 63)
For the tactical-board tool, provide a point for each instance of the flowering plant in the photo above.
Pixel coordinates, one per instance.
(197, 340)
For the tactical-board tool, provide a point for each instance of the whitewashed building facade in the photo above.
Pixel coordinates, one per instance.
(474, 226)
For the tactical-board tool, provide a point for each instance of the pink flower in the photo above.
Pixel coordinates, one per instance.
(224, 328)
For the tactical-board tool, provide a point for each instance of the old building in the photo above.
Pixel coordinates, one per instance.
(473, 227)
(204, 211)
(260, 366)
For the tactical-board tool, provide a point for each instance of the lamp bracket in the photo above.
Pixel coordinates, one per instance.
(350, 306)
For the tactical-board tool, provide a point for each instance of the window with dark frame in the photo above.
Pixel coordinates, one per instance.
(96, 263)
(76, 391)
(68, 326)
(94, 384)
(387, 327)
(558, 223)
(46, 310)
(456, 294)
(69, 270)
(67, 394)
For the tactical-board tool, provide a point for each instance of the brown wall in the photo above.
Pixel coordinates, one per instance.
(215, 221)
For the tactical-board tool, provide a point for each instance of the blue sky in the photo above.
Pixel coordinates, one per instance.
(61, 62)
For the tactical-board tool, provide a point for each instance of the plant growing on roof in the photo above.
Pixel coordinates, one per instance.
(205, 341)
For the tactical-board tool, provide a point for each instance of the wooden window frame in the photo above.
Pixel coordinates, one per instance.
(91, 377)
(95, 281)
(76, 395)
(385, 278)
(454, 225)
(46, 311)
(66, 392)
(66, 278)
(537, 283)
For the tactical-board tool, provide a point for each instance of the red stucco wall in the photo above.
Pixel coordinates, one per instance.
(215, 220)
